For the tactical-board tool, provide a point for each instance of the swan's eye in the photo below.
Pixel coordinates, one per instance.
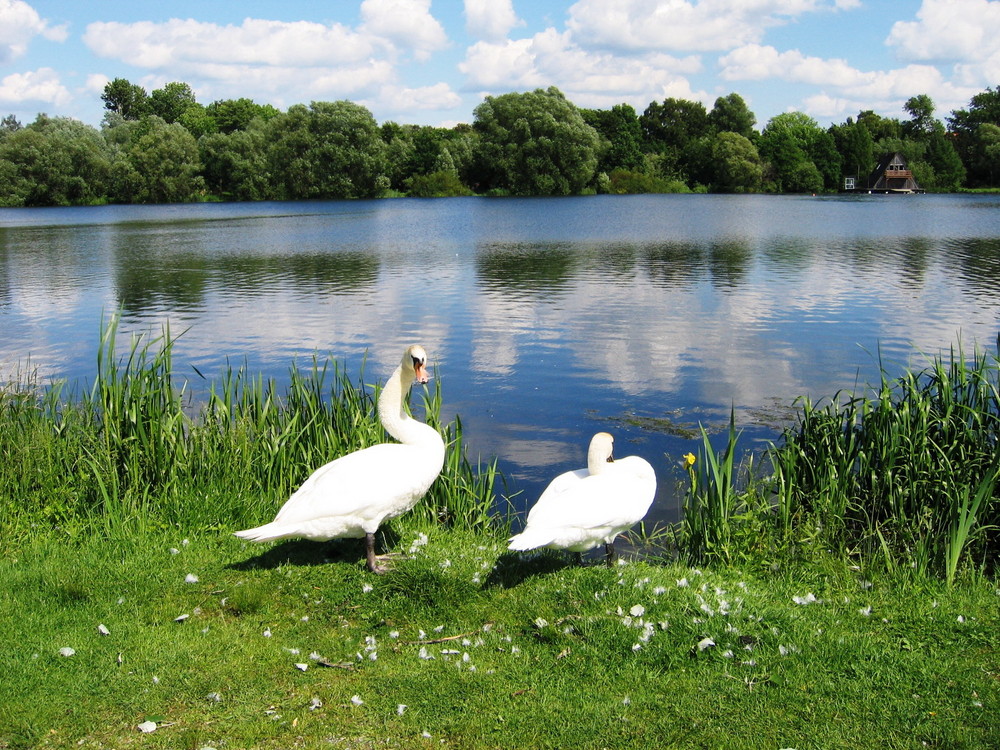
(417, 362)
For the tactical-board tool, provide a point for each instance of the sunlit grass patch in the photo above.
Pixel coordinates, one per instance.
(273, 649)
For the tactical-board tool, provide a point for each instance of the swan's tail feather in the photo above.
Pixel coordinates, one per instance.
(266, 533)
(528, 539)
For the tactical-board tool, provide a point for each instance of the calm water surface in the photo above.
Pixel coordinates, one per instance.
(548, 319)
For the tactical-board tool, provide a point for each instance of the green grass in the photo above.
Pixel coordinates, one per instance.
(486, 650)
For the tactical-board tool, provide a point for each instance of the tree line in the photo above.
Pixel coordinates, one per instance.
(165, 146)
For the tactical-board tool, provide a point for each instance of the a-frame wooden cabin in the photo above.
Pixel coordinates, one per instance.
(892, 175)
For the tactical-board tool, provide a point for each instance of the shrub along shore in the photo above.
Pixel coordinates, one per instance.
(855, 559)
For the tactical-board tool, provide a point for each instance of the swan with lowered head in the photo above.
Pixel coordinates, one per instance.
(352, 495)
(582, 508)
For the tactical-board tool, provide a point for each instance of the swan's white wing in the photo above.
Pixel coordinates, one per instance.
(556, 489)
(603, 500)
(381, 480)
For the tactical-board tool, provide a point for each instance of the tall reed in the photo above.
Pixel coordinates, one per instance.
(706, 528)
(907, 473)
(905, 476)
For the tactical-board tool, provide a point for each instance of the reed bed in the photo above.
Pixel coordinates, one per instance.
(904, 476)
(133, 452)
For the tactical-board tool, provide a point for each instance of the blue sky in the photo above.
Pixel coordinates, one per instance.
(432, 61)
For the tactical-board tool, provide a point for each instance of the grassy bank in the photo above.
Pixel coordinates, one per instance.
(843, 597)
(227, 645)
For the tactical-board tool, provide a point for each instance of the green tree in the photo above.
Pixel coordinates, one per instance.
(949, 172)
(988, 136)
(427, 143)
(621, 132)
(125, 99)
(461, 143)
(672, 124)
(236, 114)
(440, 184)
(54, 161)
(8, 125)
(802, 155)
(234, 164)
(737, 163)
(730, 114)
(172, 101)
(326, 150)
(983, 109)
(155, 162)
(675, 129)
(880, 128)
(854, 143)
(197, 121)
(398, 140)
(534, 143)
(784, 159)
(922, 122)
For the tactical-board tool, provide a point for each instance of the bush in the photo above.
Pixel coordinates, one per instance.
(437, 185)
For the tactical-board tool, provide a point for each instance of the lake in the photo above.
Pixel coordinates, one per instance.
(548, 319)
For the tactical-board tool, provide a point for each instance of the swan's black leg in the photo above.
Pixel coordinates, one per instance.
(609, 553)
(373, 565)
(579, 558)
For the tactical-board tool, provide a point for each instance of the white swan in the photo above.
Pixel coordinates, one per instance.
(352, 495)
(582, 508)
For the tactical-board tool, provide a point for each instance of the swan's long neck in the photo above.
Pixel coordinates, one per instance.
(599, 454)
(392, 412)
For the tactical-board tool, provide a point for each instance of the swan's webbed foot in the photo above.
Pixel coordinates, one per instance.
(379, 564)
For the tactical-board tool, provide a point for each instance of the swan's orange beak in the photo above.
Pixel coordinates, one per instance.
(420, 370)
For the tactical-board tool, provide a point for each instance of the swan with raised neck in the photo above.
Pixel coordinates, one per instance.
(351, 496)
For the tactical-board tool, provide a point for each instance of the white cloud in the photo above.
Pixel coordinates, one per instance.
(19, 24)
(826, 107)
(589, 79)
(96, 82)
(949, 31)
(407, 23)
(844, 89)
(401, 99)
(39, 86)
(754, 62)
(957, 31)
(685, 25)
(192, 43)
(490, 19)
(507, 64)
(286, 62)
